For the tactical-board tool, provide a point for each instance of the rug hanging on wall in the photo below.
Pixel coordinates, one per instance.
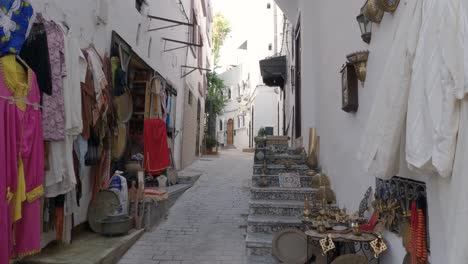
(289, 180)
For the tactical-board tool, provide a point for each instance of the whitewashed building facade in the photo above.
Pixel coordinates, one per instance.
(321, 34)
(251, 105)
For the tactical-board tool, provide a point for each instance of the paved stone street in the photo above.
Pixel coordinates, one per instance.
(207, 223)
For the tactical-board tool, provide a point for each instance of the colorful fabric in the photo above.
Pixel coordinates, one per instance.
(16, 18)
(88, 101)
(21, 152)
(54, 109)
(156, 149)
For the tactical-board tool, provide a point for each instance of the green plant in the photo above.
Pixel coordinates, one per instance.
(221, 29)
(261, 132)
(214, 102)
(211, 142)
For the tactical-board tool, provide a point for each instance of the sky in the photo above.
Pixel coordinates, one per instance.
(240, 19)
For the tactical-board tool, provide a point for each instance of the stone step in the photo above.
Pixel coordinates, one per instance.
(276, 158)
(273, 181)
(276, 207)
(272, 224)
(278, 193)
(258, 244)
(273, 169)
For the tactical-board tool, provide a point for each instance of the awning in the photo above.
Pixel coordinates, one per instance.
(274, 71)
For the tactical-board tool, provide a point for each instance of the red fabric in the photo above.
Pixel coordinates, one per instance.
(156, 150)
(371, 225)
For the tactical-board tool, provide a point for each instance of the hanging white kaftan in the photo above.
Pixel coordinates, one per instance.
(433, 110)
(380, 142)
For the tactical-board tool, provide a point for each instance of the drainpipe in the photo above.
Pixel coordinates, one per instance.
(275, 26)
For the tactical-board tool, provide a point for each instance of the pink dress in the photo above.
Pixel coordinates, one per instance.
(21, 134)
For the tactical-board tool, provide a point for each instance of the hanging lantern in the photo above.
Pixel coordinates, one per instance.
(366, 27)
(349, 89)
(372, 11)
(388, 5)
(359, 61)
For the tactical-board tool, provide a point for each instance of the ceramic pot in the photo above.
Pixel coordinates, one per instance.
(133, 167)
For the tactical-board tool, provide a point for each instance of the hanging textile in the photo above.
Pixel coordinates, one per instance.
(169, 108)
(156, 149)
(23, 153)
(36, 44)
(100, 83)
(380, 142)
(76, 73)
(433, 110)
(16, 18)
(88, 101)
(53, 119)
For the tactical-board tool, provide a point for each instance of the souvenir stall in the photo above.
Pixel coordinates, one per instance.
(72, 120)
(141, 144)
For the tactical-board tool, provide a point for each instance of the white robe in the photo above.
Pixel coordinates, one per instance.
(380, 142)
(433, 110)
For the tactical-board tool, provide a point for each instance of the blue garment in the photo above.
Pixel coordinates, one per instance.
(168, 117)
(15, 21)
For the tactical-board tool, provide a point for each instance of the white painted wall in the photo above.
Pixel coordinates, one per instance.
(329, 32)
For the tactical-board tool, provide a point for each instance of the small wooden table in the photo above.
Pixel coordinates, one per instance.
(344, 243)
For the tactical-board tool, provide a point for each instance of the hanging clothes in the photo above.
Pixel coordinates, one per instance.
(88, 101)
(155, 145)
(23, 152)
(34, 45)
(169, 108)
(455, 216)
(76, 73)
(380, 142)
(433, 110)
(54, 109)
(453, 40)
(100, 83)
(16, 18)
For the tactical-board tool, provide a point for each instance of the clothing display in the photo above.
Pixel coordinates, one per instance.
(23, 149)
(56, 128)
(76, 73)
(99, 81)
(54, 109)
(380, 141)
(156, 149)
(15, 21)
(433, 109)
(88, 101)
(37, 43)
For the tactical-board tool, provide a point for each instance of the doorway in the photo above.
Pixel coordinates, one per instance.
(197, 145)
(298, 79)
(230, 132)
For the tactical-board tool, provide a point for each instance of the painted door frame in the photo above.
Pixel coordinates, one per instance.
(230, 132)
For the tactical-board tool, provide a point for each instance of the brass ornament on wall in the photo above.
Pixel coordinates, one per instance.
(388, 5)
(359, 61)
(372, 11)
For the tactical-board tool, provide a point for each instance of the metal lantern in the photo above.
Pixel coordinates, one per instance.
(349, 89)
(372, 11)
(366, 27)
(359, 61)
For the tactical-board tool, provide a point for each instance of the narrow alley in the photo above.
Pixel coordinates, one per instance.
(207, 223)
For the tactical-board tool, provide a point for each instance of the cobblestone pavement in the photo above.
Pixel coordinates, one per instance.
(207, 223)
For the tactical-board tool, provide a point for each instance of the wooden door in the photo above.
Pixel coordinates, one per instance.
(230, 132)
